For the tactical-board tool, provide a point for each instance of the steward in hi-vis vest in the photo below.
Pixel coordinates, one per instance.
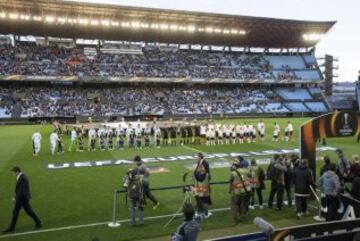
(240, 190)
(202, 190)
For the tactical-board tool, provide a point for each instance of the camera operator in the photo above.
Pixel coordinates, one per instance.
(202, 185)
(143, 171)
(135, 195)
(189, 229)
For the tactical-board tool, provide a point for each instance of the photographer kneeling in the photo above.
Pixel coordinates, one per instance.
(189, 229)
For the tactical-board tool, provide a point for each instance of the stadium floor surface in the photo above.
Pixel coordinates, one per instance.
(73, 197)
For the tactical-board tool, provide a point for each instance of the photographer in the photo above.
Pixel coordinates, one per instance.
(135, 195)
(202, 178)
(144, 174)
(189, 229)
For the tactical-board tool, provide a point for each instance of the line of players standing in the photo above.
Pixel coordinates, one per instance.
(107, 138)
(216, 134)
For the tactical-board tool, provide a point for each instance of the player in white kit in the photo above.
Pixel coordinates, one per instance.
(36, 139)
(54, 138)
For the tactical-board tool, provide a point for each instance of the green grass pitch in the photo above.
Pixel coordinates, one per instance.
(71, 197)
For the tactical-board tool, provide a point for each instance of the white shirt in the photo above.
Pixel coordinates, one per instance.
(73, 135)
(36, 137)
(54, 138)
(92, 133)
(276, 130)
(290, 127)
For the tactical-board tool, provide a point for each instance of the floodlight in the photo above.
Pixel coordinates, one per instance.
(164, 26)
(13, 16)
(209, 29)
(191, 28)
(94, 22)
(2, 15)
(50, 19)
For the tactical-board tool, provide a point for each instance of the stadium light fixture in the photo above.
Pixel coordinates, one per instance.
(83, 21)
(2, 15)
(312, 37)
(50, 19)
(154, 26)
(174, 27)
(164, 26)
(209, 29)
(25, 17)
(115, 23)
(61, 20)
(13, 16)
(105, 23)
(226, 31)
(191, 28)
(217, 30)
(135, 24)
(234, 31)
(145, 25)
(37, 18)
(94, 22)
(242, 32)
(125, 24)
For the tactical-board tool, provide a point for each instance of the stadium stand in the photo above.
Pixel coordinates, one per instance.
(293, 94)
(134, 100)
(164, 68)
(296, 107)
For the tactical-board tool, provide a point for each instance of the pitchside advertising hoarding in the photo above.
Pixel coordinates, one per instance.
(336, 124)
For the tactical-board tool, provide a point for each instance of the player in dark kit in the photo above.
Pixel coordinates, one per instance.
(197, 134)
(102, 142)
(173, 133)
(110, 140)
(60, 145)
(81, 141)
(165, 136)
(183, 134)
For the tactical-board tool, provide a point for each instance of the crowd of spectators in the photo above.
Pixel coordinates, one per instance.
(30, 59)
(51, 101)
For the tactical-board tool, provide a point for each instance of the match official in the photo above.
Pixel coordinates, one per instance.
(22, 200)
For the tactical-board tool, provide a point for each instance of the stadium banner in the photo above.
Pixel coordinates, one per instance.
(215, 156)
(335, 124)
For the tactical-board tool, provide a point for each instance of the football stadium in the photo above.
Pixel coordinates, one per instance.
(133, 123)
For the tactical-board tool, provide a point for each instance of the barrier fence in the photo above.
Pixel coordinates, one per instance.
(114, 223)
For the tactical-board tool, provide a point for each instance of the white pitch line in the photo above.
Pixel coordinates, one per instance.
(96, 224)
(197, 150)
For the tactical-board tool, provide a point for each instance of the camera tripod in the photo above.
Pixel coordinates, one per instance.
(188, 197)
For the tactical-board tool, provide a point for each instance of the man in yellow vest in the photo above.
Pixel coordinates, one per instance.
(240, 190)
(202, 179)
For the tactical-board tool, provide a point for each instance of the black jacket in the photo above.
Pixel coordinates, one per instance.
(302, 180)
(22, 189)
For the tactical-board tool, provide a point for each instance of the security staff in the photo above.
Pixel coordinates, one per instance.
(240, 190)
(202, 178)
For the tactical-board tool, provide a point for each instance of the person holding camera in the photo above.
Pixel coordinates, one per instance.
(135, 195)
(202, 178)
(143, 171)
(189, 229)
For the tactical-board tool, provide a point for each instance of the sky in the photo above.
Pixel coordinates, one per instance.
(342, 41)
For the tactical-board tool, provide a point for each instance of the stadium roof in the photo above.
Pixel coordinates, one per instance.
(112, 22)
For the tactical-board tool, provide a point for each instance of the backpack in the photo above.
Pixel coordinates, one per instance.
(135, 187)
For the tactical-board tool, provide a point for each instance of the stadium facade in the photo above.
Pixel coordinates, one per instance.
(69, 59)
